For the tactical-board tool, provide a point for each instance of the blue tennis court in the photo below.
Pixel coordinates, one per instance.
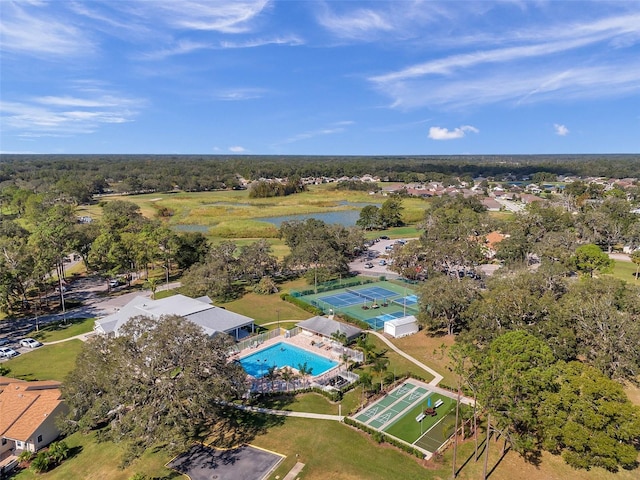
(409, 300)
(374, 293)
(344, 299)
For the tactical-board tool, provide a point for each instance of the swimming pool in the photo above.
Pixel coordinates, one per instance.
(284, 355)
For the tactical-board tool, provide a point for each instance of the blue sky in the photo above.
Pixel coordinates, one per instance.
(319, 78)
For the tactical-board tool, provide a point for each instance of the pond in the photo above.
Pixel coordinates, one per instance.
(347, 218)
(191, 228)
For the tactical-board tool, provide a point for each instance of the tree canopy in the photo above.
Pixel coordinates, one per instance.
(160, 380)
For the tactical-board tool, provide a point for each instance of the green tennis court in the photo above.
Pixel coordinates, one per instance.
(409, 430)
(438, 434)
(398, 407)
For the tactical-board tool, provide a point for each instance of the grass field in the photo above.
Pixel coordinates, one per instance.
(625, 271)
(51, 362)
(55, 332)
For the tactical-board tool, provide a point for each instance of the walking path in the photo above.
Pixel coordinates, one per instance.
(437, 378)
(293, 473)
(287, 413)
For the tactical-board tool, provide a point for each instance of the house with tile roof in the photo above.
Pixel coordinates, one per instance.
(200, 311)
(28, 412)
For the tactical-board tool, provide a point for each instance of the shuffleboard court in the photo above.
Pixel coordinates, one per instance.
(385, 402)
(398, 407)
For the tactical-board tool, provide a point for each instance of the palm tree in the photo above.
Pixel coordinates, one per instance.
(305, 371)
(363, 344)
(152, 284)
(287, 374)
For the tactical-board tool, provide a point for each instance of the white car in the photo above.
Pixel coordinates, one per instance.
(30, 343)
(8, 352)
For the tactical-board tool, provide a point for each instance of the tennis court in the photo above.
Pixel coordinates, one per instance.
(374, 303)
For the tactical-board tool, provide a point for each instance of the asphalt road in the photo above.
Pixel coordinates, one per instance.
(94, 295)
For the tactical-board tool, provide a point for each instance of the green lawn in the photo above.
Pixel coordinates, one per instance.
(625, 271)
(51, 362)
(55, 332)
(265, 308)
(92, 460)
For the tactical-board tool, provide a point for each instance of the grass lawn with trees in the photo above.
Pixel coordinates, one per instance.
(58, 331)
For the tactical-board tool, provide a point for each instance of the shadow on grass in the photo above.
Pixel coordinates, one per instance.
(237, 427)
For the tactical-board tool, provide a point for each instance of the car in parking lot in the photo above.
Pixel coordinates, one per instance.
(384, 237)
(368, 265)
(3, 341)
(114, 283)
(30, 343)
(382, 262)
(7, 352)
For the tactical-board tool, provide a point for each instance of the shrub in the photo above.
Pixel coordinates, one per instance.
(41, 462)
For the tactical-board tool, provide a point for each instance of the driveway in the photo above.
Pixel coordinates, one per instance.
(244, 463)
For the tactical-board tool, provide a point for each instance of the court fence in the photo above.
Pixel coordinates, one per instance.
(332, 285)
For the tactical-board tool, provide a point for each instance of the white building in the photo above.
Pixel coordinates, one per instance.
(212, 319)
(401, 327)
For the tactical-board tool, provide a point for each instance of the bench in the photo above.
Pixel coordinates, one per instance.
(438, 403)
(420, 417)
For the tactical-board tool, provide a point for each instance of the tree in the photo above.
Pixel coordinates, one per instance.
(512, 375)
(216, 276)
(589, 258)
(635, 258)
(159, 380)
(444, 300)
(390, 214)
(317, 248)
(453, 229)
(369, 217)
(589, 420)
(191, 248)
(152, 284)
(603, 313)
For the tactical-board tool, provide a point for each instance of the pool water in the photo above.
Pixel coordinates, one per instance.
(284, 355)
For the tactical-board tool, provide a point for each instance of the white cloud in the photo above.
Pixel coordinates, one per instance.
(68, 115)
(548, 64)
(237, 149)
(37, 33)
(239, 94)
(225, 17)
(441, 133)
(291, 40)
(561, 129)
(356, 24)
(337, 127)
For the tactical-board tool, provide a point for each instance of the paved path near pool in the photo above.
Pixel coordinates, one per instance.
(437, 378)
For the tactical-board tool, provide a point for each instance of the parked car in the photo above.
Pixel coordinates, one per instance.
(368, 265)
(3, 341)
(382, 262)
(114, 283)
(384, 237)
(8, 352)
(30, 343)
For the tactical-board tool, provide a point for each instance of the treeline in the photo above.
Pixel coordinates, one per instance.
(544, 342)
(81, 176)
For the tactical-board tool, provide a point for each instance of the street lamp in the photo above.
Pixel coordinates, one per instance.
(278, 312)
(166, 271)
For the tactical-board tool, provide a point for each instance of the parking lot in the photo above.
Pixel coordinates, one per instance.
(378, 251)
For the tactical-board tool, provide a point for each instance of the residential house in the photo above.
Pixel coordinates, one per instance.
(212, 319)
(28, 412)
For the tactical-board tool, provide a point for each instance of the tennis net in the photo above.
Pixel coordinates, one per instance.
(356, 292)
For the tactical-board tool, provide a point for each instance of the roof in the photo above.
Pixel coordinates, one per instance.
(326, 327)
(25, 405)
(398, 322)
(198, 310)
